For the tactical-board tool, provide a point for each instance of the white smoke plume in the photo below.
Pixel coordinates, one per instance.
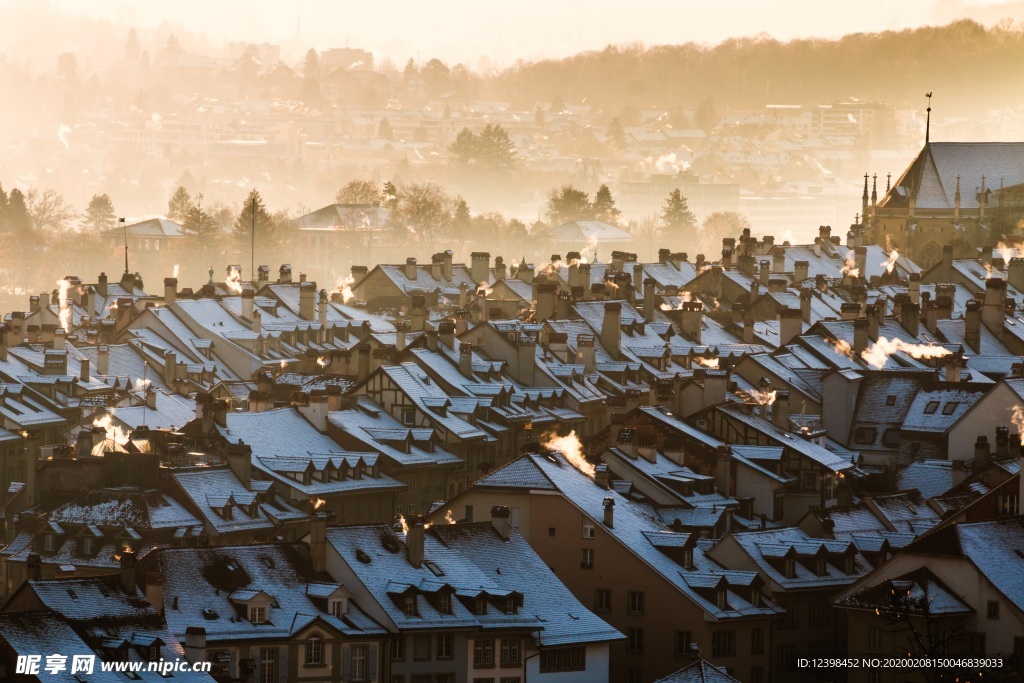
(571, 447)
(879, 352)
(667, 163)
(233, 281)
(763, 398)
(1018, 420)
(711, 363)
(62, 131)
(114, 432)
(850, 267)
(63, 309)
(842, 346)
(891, 262)
(318, 503)
(174, 273)
(344, 286)
(405, 524)
(1006, 252)
(322, 362)
(483, 287)
(684, 297)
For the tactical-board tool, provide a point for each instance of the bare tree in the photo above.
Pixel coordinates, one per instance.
(49, 210)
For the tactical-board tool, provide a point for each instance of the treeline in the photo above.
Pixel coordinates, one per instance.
(967, 65)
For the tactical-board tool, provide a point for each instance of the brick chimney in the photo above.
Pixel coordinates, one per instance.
(910, 318)
(806, 296)
(649, 292)
(860, 335)
(800, 270)
(981, 452)
(586, 352)
(318, 539)
(418, 316)
(790, 324)
(780, 409)
(128, 571)
(479, 266)
(972, 325)
(323, 309)
(992, 310)
(611, 329)
(546, 293)
(414, 540)
(601, 477)
(500, 520)
(526, 368)
(285, 274)
(170, 289)
(466, 360)
(692, 320)
(247, 303)
(239, 457)
(195, 644)
(307, 301)
(609, 512)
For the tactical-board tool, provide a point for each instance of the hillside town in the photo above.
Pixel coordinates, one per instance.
(597, 467)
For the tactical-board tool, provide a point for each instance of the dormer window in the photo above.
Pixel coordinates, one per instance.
(444, 603)
(88, 545)
(258, 615)
(511, 606)
(790, 568)
(848, 564)
(480, 606)
(688, 558)
(50, 542)
(337, 607)
(819, 566)
(720, 598)
(755, 597)
(409, 605)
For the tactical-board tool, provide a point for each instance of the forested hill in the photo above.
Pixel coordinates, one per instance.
(970, 68)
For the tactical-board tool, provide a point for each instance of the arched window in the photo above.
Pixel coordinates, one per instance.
(315, 650)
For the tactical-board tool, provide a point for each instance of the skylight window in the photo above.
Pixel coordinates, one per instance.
(950, 407)
(931, 407)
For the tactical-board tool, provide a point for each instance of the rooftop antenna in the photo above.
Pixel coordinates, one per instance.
(121, 221)
(252, 241)
(145, 372)
(928, 120)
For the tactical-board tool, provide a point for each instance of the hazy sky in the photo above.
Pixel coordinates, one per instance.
(463, 30)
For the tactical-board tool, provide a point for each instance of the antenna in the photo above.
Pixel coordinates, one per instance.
(928, 120)
(121, 221)
(252, 241)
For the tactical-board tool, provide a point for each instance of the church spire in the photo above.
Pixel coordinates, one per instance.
(864, 197)
(956, 200)
(928, 120)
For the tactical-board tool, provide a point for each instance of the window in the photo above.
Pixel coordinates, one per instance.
(634, 674)
(258, 615)
(408, 416)
(891, 436)
(1018, 648)
(950, 407)
(398, 651)
(874, 638)
(480, 606)
(789, 618)
(890, 400)
(931, 407)
(789, 566)
(421, 647)
(588, 531)
(563, 659)
(864, 435)
(444, 603)
(723, 643)
(977, 643)
(268, 665)
(409, 605)
(992, 610)
(778, 508)
(785, 657)
(397, 678)
(587, 560)
(483, 652)
(50, 542)
(511, 679)
(635, 603)
(444, 646)
(810, 481)
(683, 639)
(756, 641)
(510, 652)
(636, 640)
(821, 612)
(1008, 504)
(315, 650)
(603, 600)
(551, 531)
(338, 608)
(360, 662)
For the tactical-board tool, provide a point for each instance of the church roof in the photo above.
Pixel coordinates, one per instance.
(931, 178)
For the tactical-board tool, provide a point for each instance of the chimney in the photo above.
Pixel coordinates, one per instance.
(790, 324)
(586, 352)
(3, 342)
(262, 277)
(101, 285)
(748, 330)
(860, 335)
(611, 329)
(170, 289)
(563, 306)
(466, 360)
(414, 540)
(692, 320)
(500, 517)
(154, 590)
(480, 266)
(800, 270)
(723, 467)
(779, 260)
(446, 265)
(1002, 443)
(972, 325)
(34, 565)
(860, 257)
(726, 259)
(992, 311)
(715, 384)
(546, 300)
(285, 274)
(914, 288)
(649, 291)
(418, 317)
(601, 477)
(103, 360)
(128, 571)
(59, 338)
(910, 318)
(609, 512)
(764, 272)
(239, 457)
(958, 472)
(805, 305)
(981, 452)
(248, 303)
(527, 365)
(1015, 273)
(83, 374)
(780, 409)
(318, 540)
(257, 321)
(446, 333)
(874, 316)
(499, 268)
(954, 363)
(307, 301)
(323, 309)
(195, 644)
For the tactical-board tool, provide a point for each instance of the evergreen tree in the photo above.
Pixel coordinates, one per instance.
(18, 218)
(496, 149)
(462, 222)
(604, 206)
(616, 134)
(677, 217)
(463, 150)
(99, 214)
(311, 65)
(254, 219)
(179, 204)
(569, 204)
(3, 209)
(384, 131)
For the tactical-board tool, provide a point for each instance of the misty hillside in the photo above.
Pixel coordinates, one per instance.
(961, 62)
